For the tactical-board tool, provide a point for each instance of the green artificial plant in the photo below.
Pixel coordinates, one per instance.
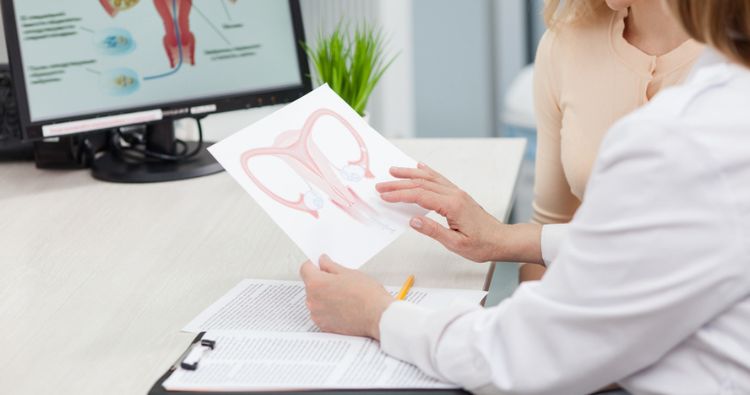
(350, 64)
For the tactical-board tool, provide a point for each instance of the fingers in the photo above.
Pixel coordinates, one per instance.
(308, 271)
(329, 266)
(411, 173)
(390, 186)
(450, 239)
(421, 172)
(435, 174)
(426, 199)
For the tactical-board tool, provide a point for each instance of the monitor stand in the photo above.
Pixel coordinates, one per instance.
(114, 166)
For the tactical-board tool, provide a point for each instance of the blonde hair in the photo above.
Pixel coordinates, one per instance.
(557, 12)
(722, 24)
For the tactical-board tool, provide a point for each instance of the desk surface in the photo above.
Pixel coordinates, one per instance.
(98, 278)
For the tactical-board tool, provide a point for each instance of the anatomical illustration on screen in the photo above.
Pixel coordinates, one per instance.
(84, 56)
(179, 41)
(313, 166)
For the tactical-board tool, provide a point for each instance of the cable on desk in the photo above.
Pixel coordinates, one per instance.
(137, 151)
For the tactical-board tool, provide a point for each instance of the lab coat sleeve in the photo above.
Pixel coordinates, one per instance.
(553, 236)
(651, 256)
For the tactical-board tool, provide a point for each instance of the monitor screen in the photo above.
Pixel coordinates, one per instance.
(88, 58)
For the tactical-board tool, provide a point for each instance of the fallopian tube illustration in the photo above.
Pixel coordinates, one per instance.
(297, 149)
(179, 41)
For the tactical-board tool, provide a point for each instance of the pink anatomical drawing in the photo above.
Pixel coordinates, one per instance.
(312, 166)
(298, 150)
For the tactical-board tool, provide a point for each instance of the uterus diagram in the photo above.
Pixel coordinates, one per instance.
(298, 150)
(179, 41)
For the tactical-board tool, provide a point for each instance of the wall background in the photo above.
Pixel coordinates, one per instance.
(456, 59)
(392, 106)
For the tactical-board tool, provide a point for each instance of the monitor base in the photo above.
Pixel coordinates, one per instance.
(111, 167)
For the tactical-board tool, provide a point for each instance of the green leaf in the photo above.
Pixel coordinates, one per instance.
(351, 63)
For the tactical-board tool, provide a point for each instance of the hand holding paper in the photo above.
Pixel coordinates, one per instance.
(344, 301)
(313, 166)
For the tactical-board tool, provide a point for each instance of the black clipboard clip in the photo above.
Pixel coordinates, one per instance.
(192, 356)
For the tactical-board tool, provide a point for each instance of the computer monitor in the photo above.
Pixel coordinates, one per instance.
(82, 66)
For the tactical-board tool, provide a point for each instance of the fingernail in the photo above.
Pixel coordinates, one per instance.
(416, 223)
(420, 165)
(324, 256)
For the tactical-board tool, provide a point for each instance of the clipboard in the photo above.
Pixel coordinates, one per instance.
(158, 387)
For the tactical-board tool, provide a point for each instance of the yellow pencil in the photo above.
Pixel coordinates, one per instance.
(405, 288)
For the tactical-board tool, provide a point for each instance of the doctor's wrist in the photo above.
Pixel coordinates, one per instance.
(518, 243)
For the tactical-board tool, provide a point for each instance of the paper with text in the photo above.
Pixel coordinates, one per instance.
(313, 166)
(269, 305)
(288, 360)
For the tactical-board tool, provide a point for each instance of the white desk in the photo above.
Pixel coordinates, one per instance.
(97, 279)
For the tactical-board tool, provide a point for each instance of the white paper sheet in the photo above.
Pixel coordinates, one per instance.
(313, 166)
(289, 360)
(268, 305)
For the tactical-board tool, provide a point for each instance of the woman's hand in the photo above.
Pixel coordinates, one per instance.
(343, 300)
(472, 232)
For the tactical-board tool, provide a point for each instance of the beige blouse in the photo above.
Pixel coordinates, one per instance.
(587, 77)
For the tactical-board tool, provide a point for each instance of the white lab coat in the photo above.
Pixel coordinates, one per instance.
(648, 286)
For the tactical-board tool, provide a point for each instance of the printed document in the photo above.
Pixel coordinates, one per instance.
(254, 361)
(279, 306)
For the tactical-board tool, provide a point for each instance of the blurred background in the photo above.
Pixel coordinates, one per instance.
(457, 60)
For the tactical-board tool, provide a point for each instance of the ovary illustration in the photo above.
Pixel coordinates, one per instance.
(298, 150)
(113, 7)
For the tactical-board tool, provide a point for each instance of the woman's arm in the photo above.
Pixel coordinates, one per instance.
(553, 200)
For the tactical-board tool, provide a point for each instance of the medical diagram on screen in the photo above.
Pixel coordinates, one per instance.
(113, 55)
(179, 41)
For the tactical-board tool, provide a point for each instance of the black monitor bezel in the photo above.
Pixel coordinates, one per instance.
(173, 110)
